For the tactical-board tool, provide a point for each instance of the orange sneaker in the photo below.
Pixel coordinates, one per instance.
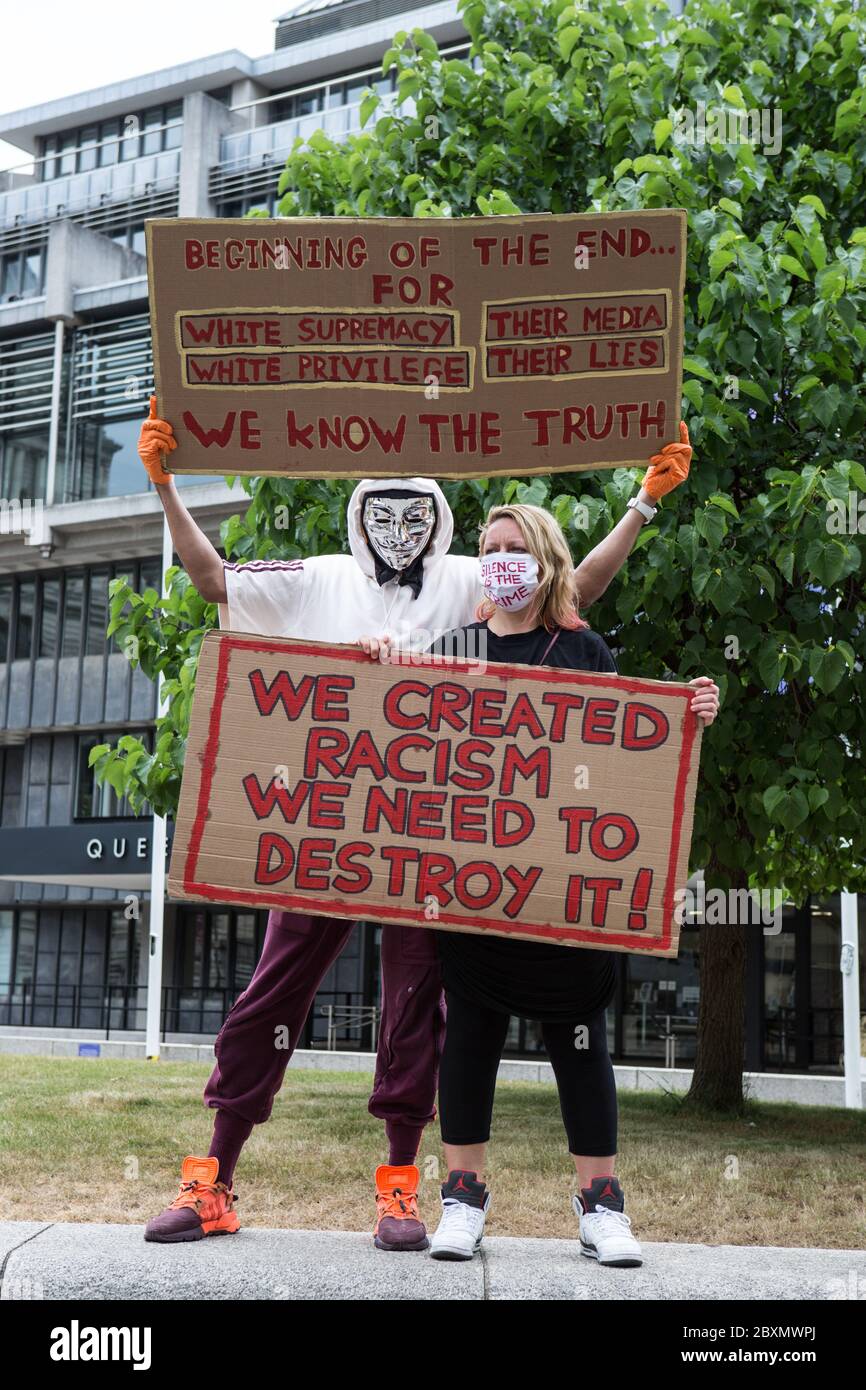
(398, 1226)
(202, 1207)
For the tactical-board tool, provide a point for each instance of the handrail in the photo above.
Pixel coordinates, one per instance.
(40, 200)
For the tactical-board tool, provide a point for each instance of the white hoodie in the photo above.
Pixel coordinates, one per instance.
(335, 598)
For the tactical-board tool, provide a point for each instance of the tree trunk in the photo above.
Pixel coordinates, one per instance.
(717, 1080)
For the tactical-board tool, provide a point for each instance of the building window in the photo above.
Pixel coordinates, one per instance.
(26, 619)
(99, 801)
(66, 163)
(11, 783)
(265, 202)
(96, 642)
(106, 462)
(23, 464)
(6, 928)
(173, 133)
(73, 603)
(59, 604)
(49, 618)
(109, 146)
(130, 237)
(88, 154)
(216, 954)
(21, 275)
(5, 620)
(68, 968)
(151, 131)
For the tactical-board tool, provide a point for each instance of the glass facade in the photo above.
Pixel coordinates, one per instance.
(22, 274)
(111, 381)
(98, 800)
(69, 968)
(46, 955)
(216, 953)
(102, 144)
(64, 615)
(26, 377)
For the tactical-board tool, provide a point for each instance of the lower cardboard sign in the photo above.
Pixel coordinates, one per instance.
(550, 805)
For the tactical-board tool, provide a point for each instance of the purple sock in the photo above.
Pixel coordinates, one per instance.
(403, 1141)
(230, 1133)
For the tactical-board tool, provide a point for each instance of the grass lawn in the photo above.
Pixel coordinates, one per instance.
(94, 1139)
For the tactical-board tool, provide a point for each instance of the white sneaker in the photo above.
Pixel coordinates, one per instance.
(461, 1229)
(605, 1235)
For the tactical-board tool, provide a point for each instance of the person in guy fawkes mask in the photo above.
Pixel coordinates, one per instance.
(401, 583)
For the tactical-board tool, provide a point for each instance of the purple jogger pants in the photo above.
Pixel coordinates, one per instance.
(297, 952)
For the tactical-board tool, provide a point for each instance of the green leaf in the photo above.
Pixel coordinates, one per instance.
(830, 283)
(691, 364)
(770, 665)
(794, 267)
(766, 578)
(793, 809)
(368, 106)
(751, 388)
(724, 589)
(711, 525)
(694, 393)
(662, 131)
(567, 38)
(827, 666)
(720, 260)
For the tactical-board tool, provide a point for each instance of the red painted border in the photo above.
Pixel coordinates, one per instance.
(337, 907)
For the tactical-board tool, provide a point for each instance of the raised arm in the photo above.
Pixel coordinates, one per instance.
(667, 470)
(200, 559)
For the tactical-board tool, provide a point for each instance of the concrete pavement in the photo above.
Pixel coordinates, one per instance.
(101, 1262)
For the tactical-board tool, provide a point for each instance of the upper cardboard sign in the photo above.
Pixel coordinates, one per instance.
(551, 805)
(397, 346)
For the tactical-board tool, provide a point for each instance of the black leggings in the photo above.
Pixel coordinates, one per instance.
(474, 1039)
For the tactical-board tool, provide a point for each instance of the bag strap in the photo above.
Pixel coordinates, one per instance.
(548, 647)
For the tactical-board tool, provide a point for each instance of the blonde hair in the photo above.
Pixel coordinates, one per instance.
(556, 600)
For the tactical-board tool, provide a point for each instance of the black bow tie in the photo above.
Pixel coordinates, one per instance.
(413, 574)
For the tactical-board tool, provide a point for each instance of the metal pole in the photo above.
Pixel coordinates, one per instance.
(157, 871)
(849, 966)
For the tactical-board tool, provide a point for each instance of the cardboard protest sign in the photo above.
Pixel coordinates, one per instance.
(393, 346)
(447, 793)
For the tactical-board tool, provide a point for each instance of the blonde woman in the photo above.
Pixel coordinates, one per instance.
(528, 616)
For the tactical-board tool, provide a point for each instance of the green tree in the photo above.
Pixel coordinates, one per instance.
(748, 574)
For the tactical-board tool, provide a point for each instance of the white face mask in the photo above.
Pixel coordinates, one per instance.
(509, 579)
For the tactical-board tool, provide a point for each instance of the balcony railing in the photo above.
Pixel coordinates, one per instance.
(75, 194)
(334, 1021)
(252, 159)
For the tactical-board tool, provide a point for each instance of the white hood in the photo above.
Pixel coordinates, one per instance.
(442, 534)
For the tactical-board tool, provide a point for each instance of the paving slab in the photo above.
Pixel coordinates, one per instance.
(97, 1262)
(521, 1268)
(93, 1262)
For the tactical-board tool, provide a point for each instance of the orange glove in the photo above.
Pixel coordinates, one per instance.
(155, 440)
(669, 468)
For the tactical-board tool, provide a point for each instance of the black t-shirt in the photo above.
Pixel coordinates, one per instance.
(550, 983)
